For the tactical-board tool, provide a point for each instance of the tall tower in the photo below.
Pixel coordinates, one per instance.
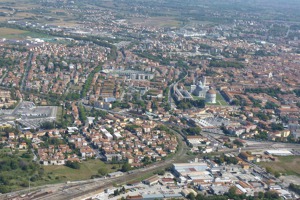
(204, 80)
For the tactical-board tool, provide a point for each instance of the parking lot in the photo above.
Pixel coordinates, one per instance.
(217, 121)
(141, 189)
(32, 116)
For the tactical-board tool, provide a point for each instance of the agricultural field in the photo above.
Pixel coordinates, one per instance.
(10, 33)
(157, 21)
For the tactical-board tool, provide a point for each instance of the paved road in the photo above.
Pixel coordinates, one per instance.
(4, 75)
(34, 155)
(170, 99)
(17, 108)
(28, 66)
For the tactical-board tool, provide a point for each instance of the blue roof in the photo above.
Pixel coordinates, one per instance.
(110, 99)
(172, 195)
(152, 196)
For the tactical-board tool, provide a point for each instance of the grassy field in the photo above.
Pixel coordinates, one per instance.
(65, 23)
(220, 100)
(10, 33)
(156, 21)
(288, 165)
(88, 168)
(59, 114)
(197, 98)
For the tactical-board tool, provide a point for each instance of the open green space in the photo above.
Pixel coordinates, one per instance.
(10, 33)
(16, 169)
(161, 21)
(196, 97)
(288, 165)
(59, 114)
(220, 100)
(87, 169)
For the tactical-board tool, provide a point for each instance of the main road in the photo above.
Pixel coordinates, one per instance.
(27, 69)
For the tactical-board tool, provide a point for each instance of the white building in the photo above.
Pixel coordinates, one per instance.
(200, 89)
(211, 96)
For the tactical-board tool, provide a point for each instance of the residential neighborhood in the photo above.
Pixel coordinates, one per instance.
(149, 100)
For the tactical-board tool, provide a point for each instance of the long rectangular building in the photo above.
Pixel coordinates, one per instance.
(186, 169)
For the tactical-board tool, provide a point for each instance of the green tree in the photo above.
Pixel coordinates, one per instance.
(191, 196)
(261, 195)
(4, 189)
(271, 105)
(82, 113)
(116, 192)
(297, 92)
(126, 167)
(269, 170)
(232, 192)
(295, 188)
(146, 160)
(73, 165)
(47, 125)
(103, 171)
(238, 143)
(271, 195)
(277, 127)
(193, 130)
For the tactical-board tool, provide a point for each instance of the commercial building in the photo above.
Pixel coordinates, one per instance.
(115, 174)
(152, 180)
(130, 74)
(189, 169)
(279, 152)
